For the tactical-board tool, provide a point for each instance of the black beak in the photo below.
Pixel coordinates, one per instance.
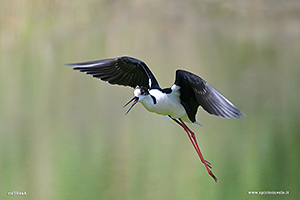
(136, 99)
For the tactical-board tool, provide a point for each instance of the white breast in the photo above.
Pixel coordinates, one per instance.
(166, 104)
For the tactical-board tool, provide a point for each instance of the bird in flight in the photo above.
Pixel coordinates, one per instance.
(180, 102)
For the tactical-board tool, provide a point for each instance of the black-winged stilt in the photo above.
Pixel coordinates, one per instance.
(179, 102)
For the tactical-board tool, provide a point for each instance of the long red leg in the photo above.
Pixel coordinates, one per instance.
(193, 140)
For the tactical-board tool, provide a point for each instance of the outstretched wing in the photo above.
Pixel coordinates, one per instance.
(195, 91)
(125, 71)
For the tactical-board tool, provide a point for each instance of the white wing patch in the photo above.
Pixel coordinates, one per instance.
(175, 87)
(150, 82)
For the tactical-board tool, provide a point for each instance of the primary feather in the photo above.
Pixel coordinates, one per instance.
(198, 92)
(126, 71)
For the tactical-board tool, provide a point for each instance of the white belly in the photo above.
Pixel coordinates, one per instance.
(166, 104)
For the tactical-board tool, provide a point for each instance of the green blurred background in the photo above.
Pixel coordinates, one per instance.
(64, 135)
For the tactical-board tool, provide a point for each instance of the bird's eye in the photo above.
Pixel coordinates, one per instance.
(144, 91)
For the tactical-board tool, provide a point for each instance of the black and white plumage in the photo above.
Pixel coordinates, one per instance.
(179, 102)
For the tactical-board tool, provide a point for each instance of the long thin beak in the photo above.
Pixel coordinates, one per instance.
(135, 99)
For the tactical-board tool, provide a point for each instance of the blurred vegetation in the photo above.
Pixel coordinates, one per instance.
(64, 135)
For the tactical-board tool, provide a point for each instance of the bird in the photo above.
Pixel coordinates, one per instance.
(179, 102)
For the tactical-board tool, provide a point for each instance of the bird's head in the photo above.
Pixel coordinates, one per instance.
(139, 94)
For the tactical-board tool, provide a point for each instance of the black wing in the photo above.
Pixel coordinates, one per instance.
(125, 71)
(195, 91)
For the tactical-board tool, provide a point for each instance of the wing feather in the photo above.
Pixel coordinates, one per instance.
(126, 71)
(195, 89)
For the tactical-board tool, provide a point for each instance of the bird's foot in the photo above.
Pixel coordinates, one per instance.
(212, 175)
(208, 164)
